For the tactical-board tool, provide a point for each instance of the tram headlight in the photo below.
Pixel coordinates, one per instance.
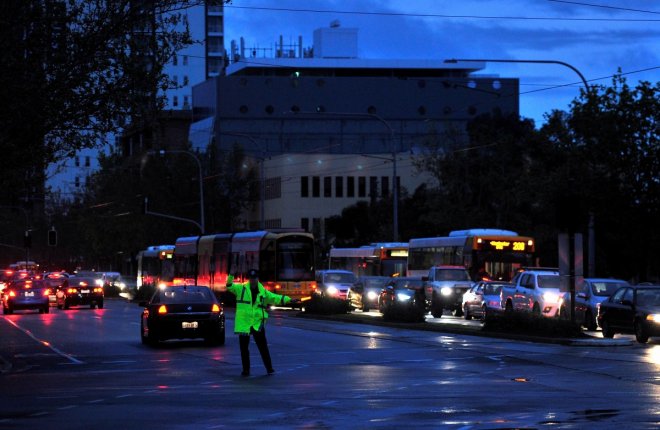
(446, 291)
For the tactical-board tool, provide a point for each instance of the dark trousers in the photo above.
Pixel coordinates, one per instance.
(262, 344)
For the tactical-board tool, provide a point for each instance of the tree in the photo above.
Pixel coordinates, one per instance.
(611, 136)
(75, 71)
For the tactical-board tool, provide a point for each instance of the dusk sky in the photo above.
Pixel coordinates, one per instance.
(597, 37)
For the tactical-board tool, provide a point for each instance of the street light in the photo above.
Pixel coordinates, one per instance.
(201, 184)
(395, 188)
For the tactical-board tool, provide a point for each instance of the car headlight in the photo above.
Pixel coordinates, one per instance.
(653, 317)
(372, 295)
(550, 297)
(332, 291)
(446, 291)
(122, 286)
(403, 297)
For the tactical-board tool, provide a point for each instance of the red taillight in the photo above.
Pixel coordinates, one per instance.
(12, 293)
(72, 291)
(28, 284)
(98, 290)
(313, 284)
(215, 308)
(162, 309)
(47, 292)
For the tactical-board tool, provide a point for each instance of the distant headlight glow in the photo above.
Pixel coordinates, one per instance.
(403, 297)
(446, 291)
(372, 295)
(333, 291)
(653, 317)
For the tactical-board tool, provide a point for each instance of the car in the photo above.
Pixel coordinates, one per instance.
(334, 283)
(113, 279)
(445, 286)
(80, 291)
(23, 294)
(182, 312)
(533, 289)
(483, 299)
(632, 309)
(365, 292)
(403, 299)
(588, 298)
(56, 281)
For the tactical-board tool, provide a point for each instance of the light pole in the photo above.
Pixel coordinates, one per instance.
(262, 188)
(395, 188)
(201, 183)
(570, 241)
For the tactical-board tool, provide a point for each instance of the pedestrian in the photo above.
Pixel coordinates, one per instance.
(252, 300)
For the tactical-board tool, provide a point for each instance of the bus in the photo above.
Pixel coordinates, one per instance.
(485, 253)
(285, 260)
(155, 266)
(376, 259)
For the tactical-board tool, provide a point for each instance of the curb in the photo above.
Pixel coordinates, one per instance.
(588, 340)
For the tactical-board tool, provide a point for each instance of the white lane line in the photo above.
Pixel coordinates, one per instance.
(45, 343)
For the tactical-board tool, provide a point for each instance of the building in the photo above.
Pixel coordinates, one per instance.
(316, 122)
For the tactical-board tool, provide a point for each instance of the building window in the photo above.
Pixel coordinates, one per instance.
(362, 186)
(339, 186)
(316, 186)
(175, 80)
(185, 60)
(316, 227)
(175, 100)
(186, 101)
(304, 224)
(273, 188)
(77, 162)
(77, 182)
(186, 81)
(350, 186)
(373, 186)
(385, 186)
(304, 186)
(175, 61)
(327, 186)
(87, 161)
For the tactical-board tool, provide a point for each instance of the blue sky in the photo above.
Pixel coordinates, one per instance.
(597, 37)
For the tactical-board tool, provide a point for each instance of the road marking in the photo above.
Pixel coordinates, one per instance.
(45, 343)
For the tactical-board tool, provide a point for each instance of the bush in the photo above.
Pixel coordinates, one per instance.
(530, 324)
(324, 305)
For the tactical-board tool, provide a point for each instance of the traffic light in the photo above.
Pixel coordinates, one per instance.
(52, 237)
(145, 205)
(27, 239)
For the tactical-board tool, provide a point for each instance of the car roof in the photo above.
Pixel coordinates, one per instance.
(606, 280)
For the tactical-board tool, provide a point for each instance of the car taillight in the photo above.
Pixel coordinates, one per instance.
(71, 291)
(47, 292)
(12, 293)
(278, 286)
(162, 309)
(98, 290)
(215, 308)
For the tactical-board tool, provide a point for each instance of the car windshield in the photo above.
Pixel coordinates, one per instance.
(648, 297)
(185, 295)
(411, 284)
(548, 281)
(374, 282)
(346, 278)
(492, 289)
(451, 275)
(605, 289)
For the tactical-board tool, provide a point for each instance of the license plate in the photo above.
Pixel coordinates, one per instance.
(189, 324)
(84, 291)
(29, 294)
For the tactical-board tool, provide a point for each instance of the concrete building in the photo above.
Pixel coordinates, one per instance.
(316, 121)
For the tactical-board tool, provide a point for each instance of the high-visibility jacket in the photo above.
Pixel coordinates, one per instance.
(250, 315)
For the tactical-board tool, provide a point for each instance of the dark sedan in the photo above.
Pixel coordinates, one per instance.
(632, 309)
(80, 291)
(182, 312)
(403, 299)
(26, 294)
(365, 292)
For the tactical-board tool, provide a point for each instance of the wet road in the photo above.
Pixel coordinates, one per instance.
(84, 368)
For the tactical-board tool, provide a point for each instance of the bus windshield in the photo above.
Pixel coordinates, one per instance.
(295, 262)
